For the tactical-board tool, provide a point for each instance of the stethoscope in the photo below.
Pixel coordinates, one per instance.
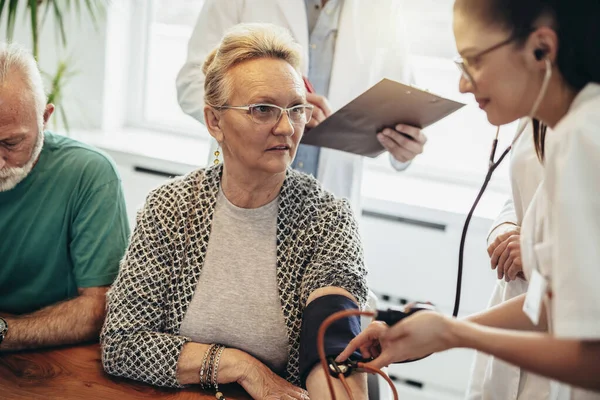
(493, 165)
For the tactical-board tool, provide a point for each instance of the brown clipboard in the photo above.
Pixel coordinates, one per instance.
(354, 127)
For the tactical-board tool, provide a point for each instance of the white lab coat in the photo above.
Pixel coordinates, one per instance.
(561, 230)
(492, 378)
(370, 46)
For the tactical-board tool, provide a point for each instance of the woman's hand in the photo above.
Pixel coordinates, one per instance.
(505, 255)
(263, 384)
(415, 337)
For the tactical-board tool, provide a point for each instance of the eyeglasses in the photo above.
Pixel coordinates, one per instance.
(465, 64)
(264, 114)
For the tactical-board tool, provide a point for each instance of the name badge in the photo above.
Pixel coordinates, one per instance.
(534, 299)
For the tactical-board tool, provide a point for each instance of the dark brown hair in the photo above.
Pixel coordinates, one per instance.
(577, 26)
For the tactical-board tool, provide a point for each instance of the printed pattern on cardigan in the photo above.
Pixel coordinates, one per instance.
(318, 245)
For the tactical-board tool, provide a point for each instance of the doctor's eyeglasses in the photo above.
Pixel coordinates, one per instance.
(466, 63)
(270, 114)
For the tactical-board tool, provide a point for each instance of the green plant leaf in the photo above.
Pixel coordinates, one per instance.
(46, 12)
(10, 19)
(2, 3)
(58, 13)
(33, 13)
(96, 10)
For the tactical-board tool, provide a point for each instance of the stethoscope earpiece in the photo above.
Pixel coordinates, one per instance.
(539, 54)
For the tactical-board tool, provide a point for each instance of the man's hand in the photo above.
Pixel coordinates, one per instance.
(404, 143)
(321, 111)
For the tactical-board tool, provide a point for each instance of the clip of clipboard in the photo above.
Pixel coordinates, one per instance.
(354, 127)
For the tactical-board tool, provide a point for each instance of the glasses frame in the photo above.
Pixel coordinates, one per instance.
(463, 65)
(287, 110)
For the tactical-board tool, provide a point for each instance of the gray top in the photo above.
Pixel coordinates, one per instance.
(236, 302)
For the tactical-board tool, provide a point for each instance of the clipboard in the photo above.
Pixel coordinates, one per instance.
(354, 127)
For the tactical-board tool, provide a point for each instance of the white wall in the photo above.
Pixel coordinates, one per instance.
(95, 97)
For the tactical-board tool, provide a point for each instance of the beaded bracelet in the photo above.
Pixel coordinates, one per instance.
(205, 366)
(211, 369)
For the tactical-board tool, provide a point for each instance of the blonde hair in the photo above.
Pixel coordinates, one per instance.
(241, 43)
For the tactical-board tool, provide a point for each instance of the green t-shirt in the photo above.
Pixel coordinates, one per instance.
(62, 228)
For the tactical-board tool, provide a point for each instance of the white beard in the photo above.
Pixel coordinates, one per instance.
(11, 177)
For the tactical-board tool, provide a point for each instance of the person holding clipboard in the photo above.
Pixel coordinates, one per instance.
(346, 51)
(538, 59)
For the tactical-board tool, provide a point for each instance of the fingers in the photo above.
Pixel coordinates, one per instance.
(415, 133)
(501, 238)
(367, 341)
(492, 247)
(402, 141)
(514, 270)
(370, 350)
(497, 253)
(319, 102)
(508, 256)
(359, 342)
(290, 392)
(365, 350)
(504, 260)
(399, 153)
(318, 116)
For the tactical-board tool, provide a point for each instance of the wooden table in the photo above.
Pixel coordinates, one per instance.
(76, 373)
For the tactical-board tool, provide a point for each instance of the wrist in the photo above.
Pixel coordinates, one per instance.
(458, 333)
(237, 366)
(3, 329)
(501, 229)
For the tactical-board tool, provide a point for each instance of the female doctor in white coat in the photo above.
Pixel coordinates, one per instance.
(492, 377)
(369, 42)
(514, 53)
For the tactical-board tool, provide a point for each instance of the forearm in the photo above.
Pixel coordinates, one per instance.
(72, 321)
(316, 384)
(572, 361)
(508, 315)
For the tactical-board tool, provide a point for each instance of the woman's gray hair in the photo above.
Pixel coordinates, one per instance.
(18, 63)
(241, 43)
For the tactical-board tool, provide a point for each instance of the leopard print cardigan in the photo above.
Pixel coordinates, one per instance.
(318, 245)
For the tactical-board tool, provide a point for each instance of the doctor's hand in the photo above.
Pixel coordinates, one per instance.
(417, 336)
(505, 255)
(321, 111)
(403, 148)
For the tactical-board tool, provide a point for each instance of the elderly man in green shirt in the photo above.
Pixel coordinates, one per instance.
(63, 224)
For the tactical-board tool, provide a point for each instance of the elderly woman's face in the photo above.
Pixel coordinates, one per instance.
(257, 147)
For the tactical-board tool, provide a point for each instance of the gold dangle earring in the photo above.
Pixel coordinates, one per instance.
(217, 153)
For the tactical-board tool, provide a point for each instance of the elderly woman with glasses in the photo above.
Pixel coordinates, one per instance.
(232, 269)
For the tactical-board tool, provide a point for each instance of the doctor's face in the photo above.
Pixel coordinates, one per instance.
(248, 144)
(503, 85)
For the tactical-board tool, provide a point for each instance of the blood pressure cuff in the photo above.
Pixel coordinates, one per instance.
(337, 336)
